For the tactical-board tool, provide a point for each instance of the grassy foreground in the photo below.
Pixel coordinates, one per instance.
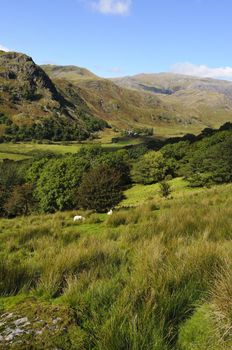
(154, 277)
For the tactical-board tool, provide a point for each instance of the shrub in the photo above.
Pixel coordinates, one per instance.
(20, 201)
(165, 189)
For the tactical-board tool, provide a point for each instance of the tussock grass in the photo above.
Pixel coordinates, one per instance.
(139, 279)
(222, 302)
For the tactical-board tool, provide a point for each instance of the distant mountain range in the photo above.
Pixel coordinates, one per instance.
(198, 101)
(170, 103)
(69, 102)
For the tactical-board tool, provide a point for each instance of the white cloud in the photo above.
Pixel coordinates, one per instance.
(115, 70)
(3, 48)
(202, 71)
(114, 7)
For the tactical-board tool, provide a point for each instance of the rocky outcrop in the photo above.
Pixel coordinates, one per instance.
(34, 325)
(23, 76)
(29, 98)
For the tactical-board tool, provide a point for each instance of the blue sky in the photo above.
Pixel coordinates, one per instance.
(123, 37)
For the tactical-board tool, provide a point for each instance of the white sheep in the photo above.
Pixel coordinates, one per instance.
(110, 212)
(78, 218)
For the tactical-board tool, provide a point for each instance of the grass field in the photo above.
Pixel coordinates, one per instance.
(138, 194)
(12, 156)
(157, 276)
(19, 151)
(30, 148)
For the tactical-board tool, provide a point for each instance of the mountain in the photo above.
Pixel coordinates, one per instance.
(171, 83)
(121, 107)
(203, 100)
(31, 106)
(69, 102)
(71, 73)
(171, 104)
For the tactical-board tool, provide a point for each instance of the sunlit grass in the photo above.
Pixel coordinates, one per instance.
(133, 280)
(138, 193)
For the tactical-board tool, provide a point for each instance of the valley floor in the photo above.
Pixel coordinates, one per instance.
(20, 151)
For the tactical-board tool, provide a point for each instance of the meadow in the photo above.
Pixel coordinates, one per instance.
(21, 150)
(153, 277)
(139, 194)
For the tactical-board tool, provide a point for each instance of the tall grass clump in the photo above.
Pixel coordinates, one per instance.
(221, 302)
(151, 277)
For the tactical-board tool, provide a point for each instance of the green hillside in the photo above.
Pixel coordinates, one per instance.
(71, 103)
(72, 73)
(154, 277)
(123, 109)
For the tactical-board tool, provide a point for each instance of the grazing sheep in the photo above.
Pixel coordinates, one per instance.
(78, 218)
(110, 212)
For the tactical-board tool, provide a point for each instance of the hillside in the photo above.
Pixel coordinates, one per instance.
(154, 277)
(171, 104)
(170, 83)
(125, 108)
(122, 108)
(155, 274)
(72, 73)
(202, 100)
(69, 103)
(30, 103)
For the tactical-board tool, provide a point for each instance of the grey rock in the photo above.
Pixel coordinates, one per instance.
(20, 321)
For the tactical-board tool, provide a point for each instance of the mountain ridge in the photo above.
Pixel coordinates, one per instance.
(30, 100)
(70, 102)
(169, 103)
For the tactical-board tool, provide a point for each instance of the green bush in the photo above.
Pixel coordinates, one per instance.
(58, 182)
(100, 189)
(150, 168)
(165, 189)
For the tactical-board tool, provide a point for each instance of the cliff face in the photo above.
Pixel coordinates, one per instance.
(29, 97)
(25, 79)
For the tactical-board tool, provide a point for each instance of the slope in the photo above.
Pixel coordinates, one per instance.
(207, 101)
(32, 107)
(125, 108)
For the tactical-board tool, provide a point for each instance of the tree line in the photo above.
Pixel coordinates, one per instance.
(54, 129)
(95, 179)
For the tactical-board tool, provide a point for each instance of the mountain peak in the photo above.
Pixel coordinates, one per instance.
(30, 98)
(71, 73)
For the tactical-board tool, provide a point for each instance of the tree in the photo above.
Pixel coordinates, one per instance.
(119, 161)
(21, 201)
(11, 174)
(151, 168)
(174, 155)
(100, 189)
(3, 198)
(210, 160)
(165, 189)
(58, 181)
